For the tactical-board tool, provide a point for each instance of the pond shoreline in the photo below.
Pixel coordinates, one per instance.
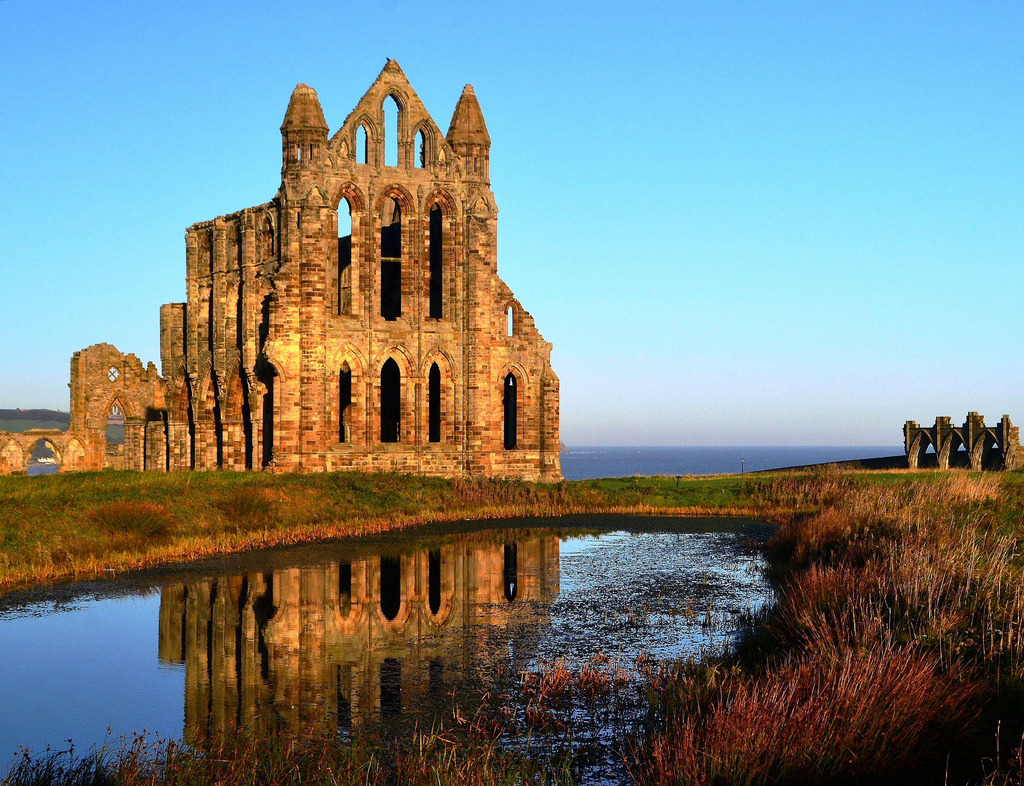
(86, 525)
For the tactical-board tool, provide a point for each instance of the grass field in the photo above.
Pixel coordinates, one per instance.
(78, 524)
(17, 426)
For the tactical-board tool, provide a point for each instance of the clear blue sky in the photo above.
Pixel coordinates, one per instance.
(738, 222)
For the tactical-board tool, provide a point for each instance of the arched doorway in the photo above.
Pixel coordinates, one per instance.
(267, 375)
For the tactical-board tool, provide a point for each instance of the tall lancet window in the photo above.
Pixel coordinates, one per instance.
(391, 260)
(511, 411)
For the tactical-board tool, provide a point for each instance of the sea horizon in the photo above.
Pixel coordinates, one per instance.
(584, 462)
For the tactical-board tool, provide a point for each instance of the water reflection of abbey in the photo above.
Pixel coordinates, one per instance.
(362, 638)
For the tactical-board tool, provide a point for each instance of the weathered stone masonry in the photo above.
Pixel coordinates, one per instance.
(355, 321)
(971, 446)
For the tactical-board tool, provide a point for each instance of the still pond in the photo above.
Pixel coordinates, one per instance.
(391, 630)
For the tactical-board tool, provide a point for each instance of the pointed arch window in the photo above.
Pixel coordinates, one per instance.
(436, 262)
(345, 588)
(362, 145)
(392, 122)
(510, 572)
(421, 149)
(434, 580)
(344, 257)
(391, 260)
(344, 403)
(511, 405)
(265, 242)
(390, 401)
(390, 586)
(115, 424)
(434, 404)
(207, 252)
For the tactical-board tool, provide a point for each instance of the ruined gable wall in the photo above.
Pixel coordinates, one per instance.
(103, 378)
(327, 319)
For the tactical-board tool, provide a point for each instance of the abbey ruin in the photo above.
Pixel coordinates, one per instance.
(972, 446)
(355, 321)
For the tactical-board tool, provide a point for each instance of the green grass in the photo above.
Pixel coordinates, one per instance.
(688, 491)
(74, 524)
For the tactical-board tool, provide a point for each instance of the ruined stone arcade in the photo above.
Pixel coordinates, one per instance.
(971, 446)
(355, 321)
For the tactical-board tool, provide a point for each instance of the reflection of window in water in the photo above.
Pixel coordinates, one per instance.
(390, 586)
(511, 572)
(237, 650)
(344, 677)
(263, 609)
(434, 580)
(345, 588)
(436, 677)
(390, 688)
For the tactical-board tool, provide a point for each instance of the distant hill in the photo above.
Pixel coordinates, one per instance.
(15, 420)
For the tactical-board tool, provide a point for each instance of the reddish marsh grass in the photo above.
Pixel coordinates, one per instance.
(899, 621)
(842, 717)
(135, 518)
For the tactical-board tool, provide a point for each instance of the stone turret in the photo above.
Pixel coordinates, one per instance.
(467, 133)
(304, 130)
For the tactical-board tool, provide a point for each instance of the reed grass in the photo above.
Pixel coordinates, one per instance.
(894, 653)
(316, 756)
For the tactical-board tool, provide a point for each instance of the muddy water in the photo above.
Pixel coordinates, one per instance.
(355, 633)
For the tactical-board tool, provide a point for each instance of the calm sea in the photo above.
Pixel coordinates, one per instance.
(611, 462)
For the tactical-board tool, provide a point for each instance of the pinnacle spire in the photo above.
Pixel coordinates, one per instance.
(304, 110)
(468, 124)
